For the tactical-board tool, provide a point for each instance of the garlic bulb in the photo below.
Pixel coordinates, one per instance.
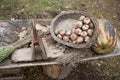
(87, 39)
(56, 31)
(78, 24)
(78, 31)
(86, 20)
(68, 33)
(82, 18)
(66, 38)
(90, 32)
(83, 34)
(59, 36)
(75, 26)
(62, 32)
(73, 37)
(79, 40)
(85, 27)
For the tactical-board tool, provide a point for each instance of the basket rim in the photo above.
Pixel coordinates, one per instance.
(84, 45)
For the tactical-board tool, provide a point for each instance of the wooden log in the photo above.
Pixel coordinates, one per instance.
(10, 71)
(57, 71)
(52, 70)
(12, 78)
(37, 42)
(5, 74)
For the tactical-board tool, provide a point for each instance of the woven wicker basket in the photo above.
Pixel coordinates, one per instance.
(65, 20)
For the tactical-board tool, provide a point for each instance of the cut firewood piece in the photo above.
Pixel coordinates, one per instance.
(57, 71)
(38, 49)
(63, 69)
(37, 41)
(52, 71)
(5, 74)
(41, 45)
(10, 71)
(38, 53)
(22, 55)
(12, 78)
(33, 48)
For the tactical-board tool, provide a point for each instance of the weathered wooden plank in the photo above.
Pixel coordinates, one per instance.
(8, 64)
(10, 71)
(12, 78)
(23, 54)
(12, 65)
(5, 74)
(51, 51)
(34, 53)
(29, 64)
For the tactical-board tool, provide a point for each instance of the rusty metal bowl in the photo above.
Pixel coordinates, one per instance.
(65, 21)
